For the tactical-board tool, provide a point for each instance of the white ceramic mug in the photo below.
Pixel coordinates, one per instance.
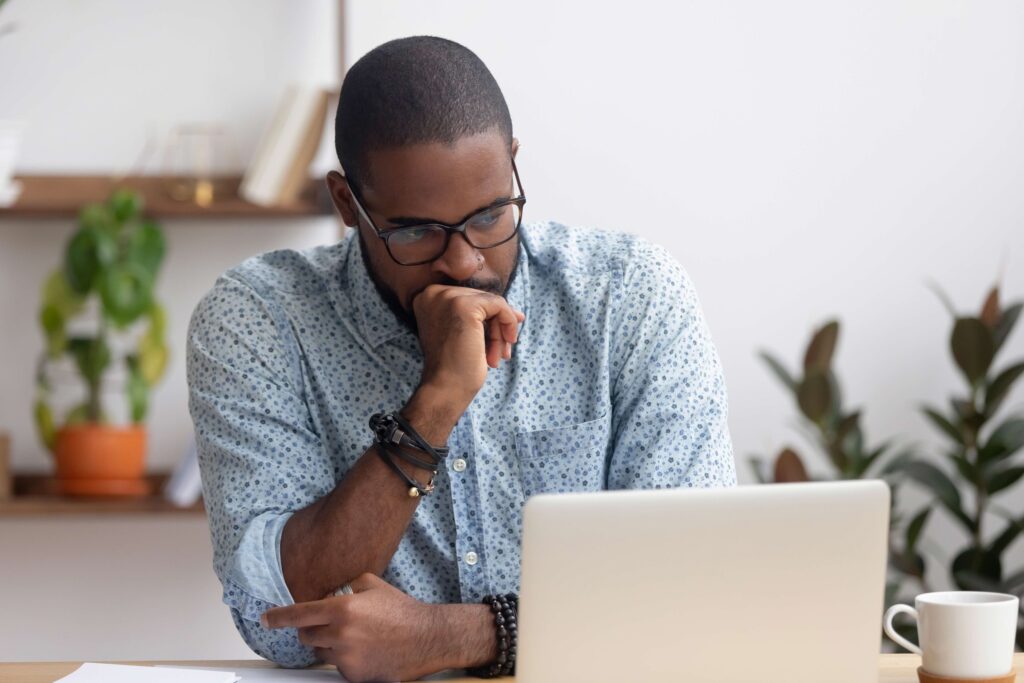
(963, 634)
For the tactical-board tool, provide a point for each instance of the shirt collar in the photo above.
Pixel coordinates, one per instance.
(376, 321)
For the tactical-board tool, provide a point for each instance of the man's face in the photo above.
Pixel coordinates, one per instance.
(427, 183)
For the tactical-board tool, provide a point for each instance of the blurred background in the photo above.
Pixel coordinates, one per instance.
(805, 162)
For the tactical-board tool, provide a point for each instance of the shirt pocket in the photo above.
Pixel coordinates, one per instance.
(564, 459)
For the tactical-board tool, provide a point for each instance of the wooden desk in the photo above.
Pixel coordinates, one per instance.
(891, 669)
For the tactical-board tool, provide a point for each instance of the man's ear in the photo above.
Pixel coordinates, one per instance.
(341, 195)
(515, 147)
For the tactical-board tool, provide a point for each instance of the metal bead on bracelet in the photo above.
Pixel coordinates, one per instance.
(505, 609)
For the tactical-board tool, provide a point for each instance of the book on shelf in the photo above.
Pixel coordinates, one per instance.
(280, 167)
(185, 485)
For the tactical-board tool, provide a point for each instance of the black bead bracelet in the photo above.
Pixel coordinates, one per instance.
(506, 613)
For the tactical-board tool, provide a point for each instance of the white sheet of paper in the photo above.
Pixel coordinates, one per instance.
(91, 672)
(274, 675)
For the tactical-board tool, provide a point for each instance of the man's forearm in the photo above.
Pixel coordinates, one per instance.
(357, 527)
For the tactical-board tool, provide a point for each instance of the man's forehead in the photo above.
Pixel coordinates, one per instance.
(439, 180)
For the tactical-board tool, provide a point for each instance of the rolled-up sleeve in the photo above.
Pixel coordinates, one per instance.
(670, 408)
(259, 454)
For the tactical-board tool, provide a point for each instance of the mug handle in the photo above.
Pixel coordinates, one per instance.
(891, 632)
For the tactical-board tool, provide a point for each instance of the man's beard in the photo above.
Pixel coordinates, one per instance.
(491, 286)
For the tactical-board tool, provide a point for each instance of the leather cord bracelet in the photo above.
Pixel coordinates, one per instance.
(415, 489)
(505, 609)
(394, 429)
(394, 437)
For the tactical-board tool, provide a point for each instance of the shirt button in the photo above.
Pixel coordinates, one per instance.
(471, 558)
(459, 465)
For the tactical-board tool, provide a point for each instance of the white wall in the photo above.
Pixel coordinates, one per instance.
(801, 159)
(94, 80)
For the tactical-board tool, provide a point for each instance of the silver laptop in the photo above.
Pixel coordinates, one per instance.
(780, 583)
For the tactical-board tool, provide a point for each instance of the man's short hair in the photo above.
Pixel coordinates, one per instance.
(415, 90)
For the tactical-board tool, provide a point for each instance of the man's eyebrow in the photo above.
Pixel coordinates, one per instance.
(402, 221)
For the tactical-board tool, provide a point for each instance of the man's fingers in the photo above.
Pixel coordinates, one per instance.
(495, 343)
(315, 613)
(326, 655)
(365, 582)
(318, 636)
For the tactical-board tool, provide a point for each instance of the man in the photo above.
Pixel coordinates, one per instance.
(546, 359)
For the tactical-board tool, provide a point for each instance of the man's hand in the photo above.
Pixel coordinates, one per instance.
(381, 634)
(462, 332)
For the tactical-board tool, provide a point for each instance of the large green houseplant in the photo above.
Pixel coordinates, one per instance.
(112, 259)
(981, 453)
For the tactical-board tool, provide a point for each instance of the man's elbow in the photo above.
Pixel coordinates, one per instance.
(280, 646)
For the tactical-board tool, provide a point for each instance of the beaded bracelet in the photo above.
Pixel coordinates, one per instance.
(505, 609)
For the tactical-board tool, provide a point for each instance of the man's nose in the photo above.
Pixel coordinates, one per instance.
(460, 260)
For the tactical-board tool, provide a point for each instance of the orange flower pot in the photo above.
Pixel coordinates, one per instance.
(101, 460)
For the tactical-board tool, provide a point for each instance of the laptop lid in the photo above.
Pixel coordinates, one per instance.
(772, 583)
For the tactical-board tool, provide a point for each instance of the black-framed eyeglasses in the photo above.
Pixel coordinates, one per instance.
(414, 245)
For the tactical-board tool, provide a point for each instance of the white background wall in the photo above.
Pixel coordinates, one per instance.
(801, 159)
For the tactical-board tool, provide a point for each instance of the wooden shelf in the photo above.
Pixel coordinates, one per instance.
(35, 495)
(63, 196)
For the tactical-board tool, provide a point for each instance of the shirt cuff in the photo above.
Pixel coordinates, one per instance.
(255, 581)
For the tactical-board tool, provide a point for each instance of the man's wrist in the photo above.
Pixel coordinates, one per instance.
(432, 413)
(466, 637)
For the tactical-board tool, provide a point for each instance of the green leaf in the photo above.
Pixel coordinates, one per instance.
(965, 467)
(942, 423)
(908, 562)
(969, 580)
(152, 360)
(88, 252)
(779, 370)
(822, 347)
(972, 347)
(1009, 535)
(77, 415)
(1007, 439)
(975, 567)
(146, 247)
(126, 290)
(847, 424)
(125, 204)
(157, 323)
(52, 322)
(941, 485)
(45, 427)
(58, 293)
(1000, 387)
(98, 217)
(1003, 479)
(137, 390)
(1005, 325)
(915, 527)
(814, 396)
(864, 464)
(92, 356)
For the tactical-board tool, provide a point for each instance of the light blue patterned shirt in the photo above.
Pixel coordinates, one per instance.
(614, 384)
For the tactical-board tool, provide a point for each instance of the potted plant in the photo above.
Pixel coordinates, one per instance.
(99, 317)
(838, 434)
